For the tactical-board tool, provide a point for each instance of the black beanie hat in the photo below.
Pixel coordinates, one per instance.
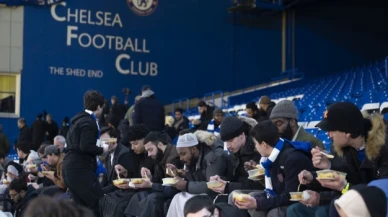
(231, 127)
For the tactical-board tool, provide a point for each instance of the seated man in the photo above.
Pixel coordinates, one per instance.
(360, 150)
(235, 133)
(151, 203)
(282, 161)
(204, 156)
(118, 155)
(215, 124)
(21, 194)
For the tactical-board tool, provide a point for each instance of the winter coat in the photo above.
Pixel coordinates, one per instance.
(150, 112)
(212, 161)
(81, 143)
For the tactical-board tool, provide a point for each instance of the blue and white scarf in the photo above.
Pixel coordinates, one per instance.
(210, 128)
(98, 143)
(267, 162)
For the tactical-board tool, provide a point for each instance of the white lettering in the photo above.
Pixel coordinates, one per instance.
(154, 69)
(88, 38)
(74, 15)
(75, 72)
(110, 38)
(99, 17)
(70, 35)
(118, 64)
(102, 41)
(83, 16)
(119, 43)
(54, 13)
(145, 47)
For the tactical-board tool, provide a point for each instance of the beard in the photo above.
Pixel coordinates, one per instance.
(159, 156)
(287, 134)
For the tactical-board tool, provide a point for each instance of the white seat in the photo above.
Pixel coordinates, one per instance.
(384, 107)
(303, 124)
(312, 124)
(371, 107)
(242, 113)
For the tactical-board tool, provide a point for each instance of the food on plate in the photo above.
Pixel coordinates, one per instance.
(240, 197)
(329, 174)
(256, 172)
(214, 184)
(30, 166)
(169, 181)
(296, 195)
(48, 172)
(120, 181)
(136, 181)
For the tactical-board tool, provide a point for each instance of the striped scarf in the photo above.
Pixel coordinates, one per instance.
(210, 128)
(267, 162)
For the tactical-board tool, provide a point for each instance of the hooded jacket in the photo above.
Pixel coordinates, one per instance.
(81, 143)
(212, 161)
(375, 165)
(150, 112)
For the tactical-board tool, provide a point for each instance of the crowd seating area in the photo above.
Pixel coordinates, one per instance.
(364, 86)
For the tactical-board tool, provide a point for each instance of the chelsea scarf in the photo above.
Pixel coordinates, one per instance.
(267, 162)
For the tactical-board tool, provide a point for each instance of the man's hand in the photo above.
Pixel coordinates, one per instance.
(145, 184)
(305, 177)
(337, 184)
(250, 165)
(221, 189)
(197, 122)
(214, 178)
(320, 160)
(181, 184)
(45, 167)
(249, 203)
(34, 170)
(34, 185)
(120, 170)
(50, 176)
(145, 173)
(171, 170)
(313, 200)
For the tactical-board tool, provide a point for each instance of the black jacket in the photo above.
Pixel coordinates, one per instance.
(212, 161)
(64, 130)
(170, 156)
(150, 112)
(38, 132)
(22, 206)
(375, 165)
(181, 124)
(284, 177)
(81, 143)
(205, 118)
(52, 130)
(118, 110)
(121, 156)
(237, 175)
(25, 136)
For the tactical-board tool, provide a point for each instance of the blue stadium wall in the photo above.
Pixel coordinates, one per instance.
(190, 48)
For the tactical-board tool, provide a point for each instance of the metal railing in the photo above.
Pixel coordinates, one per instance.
(179, 102)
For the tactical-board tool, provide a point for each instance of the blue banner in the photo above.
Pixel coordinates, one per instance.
(29, 2)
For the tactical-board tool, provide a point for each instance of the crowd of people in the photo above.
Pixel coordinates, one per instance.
(115, 161)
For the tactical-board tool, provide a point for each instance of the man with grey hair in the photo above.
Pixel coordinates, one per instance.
(285, 116)
(60, 142)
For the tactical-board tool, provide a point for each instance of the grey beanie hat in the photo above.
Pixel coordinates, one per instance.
(231, 127)
(218, 111)
(284, 109)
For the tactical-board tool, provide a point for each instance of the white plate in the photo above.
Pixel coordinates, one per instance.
(167, 185)
(295, 200)
(255, 178)
(325, 179)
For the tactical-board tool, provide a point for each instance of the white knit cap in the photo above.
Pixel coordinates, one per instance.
(13, 170)
(352, 204)
(187, 140)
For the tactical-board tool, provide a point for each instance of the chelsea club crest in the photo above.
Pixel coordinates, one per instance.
(142, 7)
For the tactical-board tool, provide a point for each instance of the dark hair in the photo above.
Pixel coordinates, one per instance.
(19, 184)
(93, 99)
(197, 203)
(54, 208)
(111, 131)
(42, 148)
(155, 137)
(23, 146)
(2, 155)
(180, 110)
(252, 106)
(137, 132)
(266, 131)
(39, 116)
(201, 103)
(185, 131)
(66, 119)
